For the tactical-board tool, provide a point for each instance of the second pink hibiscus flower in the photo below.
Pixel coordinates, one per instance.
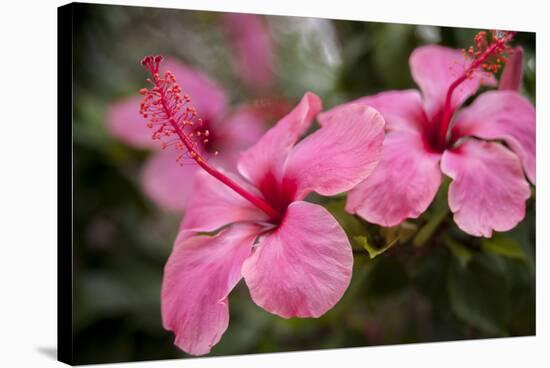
(427, 136)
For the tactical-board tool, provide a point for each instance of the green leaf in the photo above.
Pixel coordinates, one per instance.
(402, 232)
(504, 246)
(373, 252)
(462, 253)
(386, 277)
(478, 293)
(430, 277)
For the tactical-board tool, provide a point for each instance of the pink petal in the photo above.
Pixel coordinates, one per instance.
(206, 95)
(339, 155)
(214, 205)
(402, 185)
(402, 110)
(267, 156)
(304, 267)
(252, 47)
(488, 191)
(512, 75)
(434, 68)
(502, 115)
(126, 124)
(199, 275)
(242, 129)
(168, 183)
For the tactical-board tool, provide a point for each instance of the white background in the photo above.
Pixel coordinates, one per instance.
(28, 139)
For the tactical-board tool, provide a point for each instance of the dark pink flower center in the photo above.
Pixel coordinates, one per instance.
(488, 54)
(278, 194)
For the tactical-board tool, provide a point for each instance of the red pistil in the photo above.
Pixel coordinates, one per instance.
(486, 55)
(169, 114)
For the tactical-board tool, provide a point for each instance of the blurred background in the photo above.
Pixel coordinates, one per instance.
(435, 283)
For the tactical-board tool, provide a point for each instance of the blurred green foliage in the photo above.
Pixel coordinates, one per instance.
(421, 281)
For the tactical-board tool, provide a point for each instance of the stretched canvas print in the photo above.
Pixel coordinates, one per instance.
(244, 183)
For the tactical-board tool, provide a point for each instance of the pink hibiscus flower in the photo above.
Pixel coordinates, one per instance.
(163, 180)
(294, 257)
(429, 135)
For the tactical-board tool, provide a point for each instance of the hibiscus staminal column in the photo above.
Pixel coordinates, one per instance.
(489, 54)
(177, 124)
